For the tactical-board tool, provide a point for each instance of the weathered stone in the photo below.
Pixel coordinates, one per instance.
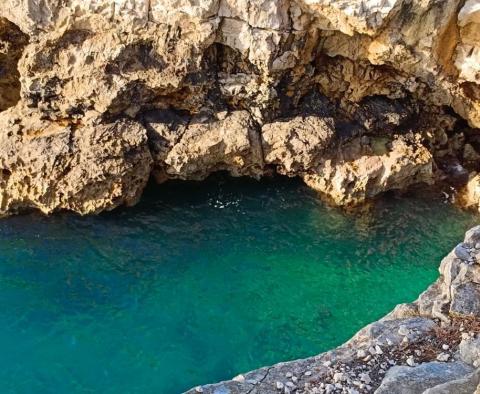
(466, 299)
(351, 182)
(295, 146)
(415, 380)
(84, 167)
(464, 385)
(470, 351)
(231, 144)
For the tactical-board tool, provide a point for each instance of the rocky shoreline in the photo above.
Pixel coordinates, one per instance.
(355, 97)
(431, 346)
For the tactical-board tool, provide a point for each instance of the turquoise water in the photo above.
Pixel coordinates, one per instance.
(200, 282)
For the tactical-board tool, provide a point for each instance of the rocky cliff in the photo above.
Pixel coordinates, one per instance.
(431, 346)
(355, 96)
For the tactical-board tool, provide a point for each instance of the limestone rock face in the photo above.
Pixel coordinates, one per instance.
(350, 182)
(231, 144)
(296, 145)
(85, 167)
(247, 86)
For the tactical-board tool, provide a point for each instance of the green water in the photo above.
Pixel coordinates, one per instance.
(200, 282)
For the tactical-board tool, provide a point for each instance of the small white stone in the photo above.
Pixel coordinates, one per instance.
(353, 391)
(477, 245)
(339, 377)
(389, 342)
(378, 350)
(445, 346)
(411, 361)
(279, 385)
(288, 374)
(291, 385)
(294, 379)
(327, 363)
(198, 389)
(443, 357)
(308, 373)
(361, 353)
(372, 350)
(239, 378)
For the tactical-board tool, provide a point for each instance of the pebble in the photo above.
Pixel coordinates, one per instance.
(411, 361)
(477, 245)
(239, 378)
(291, 385)
(378, 350)
(361, 353)
(445, 346)
(339, 377)
(372, 350)
(327, 363)
(279, 385)
(288, 374)
(418, 352)
(353, 391)
(198, 389)
(365, 378)
(329, 388)
(294, 379)
(443, 357)
(308, 373)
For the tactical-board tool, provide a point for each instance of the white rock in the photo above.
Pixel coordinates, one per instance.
(411, 361)
(365, 378)
(443, 357)
(361, 353)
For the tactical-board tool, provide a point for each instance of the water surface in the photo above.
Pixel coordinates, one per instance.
(200, 282)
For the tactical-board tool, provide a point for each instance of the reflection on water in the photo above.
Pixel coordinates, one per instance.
(200, 282)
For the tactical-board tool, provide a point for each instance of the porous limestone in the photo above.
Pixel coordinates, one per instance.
(355, 97)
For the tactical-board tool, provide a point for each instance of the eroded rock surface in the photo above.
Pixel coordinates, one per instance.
(86, 167)
(321, 89)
